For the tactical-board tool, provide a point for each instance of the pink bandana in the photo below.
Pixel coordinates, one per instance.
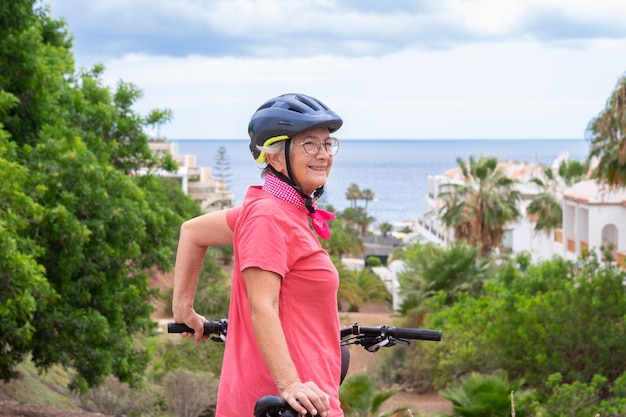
(285, 192)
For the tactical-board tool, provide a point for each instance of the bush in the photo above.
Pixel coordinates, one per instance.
(116, 398)
(191, 394)
(175, 352)
(557, 316)
(488, 396)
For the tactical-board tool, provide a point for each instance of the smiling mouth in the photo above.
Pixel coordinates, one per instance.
(320, 169)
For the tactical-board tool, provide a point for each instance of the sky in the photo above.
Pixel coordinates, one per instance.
(397, 69)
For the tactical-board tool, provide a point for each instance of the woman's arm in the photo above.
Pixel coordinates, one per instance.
(196, 235)
(263, 289)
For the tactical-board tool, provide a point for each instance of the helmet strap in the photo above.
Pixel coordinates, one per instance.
(308, 200)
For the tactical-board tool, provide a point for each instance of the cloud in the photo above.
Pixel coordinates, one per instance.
(507, 90)
(300, 28)
(400, 69)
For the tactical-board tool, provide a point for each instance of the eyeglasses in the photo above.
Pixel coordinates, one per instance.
(313, 145)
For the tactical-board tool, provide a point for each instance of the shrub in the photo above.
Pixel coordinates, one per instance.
(191, 394)
(116, 398)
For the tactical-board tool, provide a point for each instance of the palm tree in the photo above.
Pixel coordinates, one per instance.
(349, 292)
(353, 194)
(367, 195)
(357, 288)
(430, 269)
(342, 239)
(357, 219)
(546, 206)
(360, 399)
(385, 228)
(478, 208)
(607, 136)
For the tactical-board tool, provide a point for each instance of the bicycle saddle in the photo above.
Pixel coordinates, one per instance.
(274, 406)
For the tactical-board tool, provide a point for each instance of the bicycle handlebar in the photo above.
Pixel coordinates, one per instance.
(370, 337)
(221, 327)
(395, 332)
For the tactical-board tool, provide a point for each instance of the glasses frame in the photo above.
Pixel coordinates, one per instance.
(331, 145)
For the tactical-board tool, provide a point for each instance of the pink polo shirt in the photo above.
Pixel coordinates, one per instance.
(273, 235)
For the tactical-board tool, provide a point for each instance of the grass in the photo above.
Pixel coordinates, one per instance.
(46, 388)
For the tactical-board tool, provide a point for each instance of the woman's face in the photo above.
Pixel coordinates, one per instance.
(309, 171)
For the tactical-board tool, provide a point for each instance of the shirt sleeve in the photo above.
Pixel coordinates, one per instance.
(263, 242)
(231, 216)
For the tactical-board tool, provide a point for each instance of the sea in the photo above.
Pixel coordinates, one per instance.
(396, 171)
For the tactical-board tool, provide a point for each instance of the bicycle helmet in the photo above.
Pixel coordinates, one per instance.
(284, 116)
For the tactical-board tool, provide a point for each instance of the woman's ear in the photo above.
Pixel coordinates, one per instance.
(277, 161)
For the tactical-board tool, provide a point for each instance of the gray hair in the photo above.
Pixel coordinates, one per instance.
(274, 148)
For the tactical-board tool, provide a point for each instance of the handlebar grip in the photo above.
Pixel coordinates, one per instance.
(179, 328)
(210, 327)
(419, 334)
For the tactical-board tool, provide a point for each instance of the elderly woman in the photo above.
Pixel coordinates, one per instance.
(283, 332)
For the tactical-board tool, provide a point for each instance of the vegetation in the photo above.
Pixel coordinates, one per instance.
(487, 396)
(545, 209)
(607, 137)
(360, 398)
(80, 230)
(479, 207)
(531, 321)
(359, 287)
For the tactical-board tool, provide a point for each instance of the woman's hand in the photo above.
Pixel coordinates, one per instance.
(307, 396)
(193, 320)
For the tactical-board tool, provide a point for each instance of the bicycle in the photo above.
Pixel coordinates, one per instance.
(371, 338)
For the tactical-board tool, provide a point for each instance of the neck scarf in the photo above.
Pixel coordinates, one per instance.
(285, 192)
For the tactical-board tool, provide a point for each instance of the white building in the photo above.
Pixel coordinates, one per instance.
(195, 181)
(593, 216)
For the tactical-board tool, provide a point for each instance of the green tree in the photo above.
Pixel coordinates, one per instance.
(353, 194)
(556, 316)
(479, 208)
(367, 195)
(366, 287)
(385, 228)
(82, 232)
(222, 166)
(607, 138)
(546, 206)
(430, 269)
(99, 235)
(358, 220)
(34, 62)
(23, 286)
(343, 240)
(157, 118)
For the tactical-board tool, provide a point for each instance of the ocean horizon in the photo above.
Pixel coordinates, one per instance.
(395, 170)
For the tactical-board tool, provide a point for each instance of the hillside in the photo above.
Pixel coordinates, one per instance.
(46, 395)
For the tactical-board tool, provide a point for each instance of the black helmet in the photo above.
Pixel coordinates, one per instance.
(288, 115)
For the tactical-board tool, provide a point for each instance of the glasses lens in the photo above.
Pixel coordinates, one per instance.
(331, 146)
(313, 146)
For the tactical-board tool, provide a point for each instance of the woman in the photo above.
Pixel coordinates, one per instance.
(283, 333)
